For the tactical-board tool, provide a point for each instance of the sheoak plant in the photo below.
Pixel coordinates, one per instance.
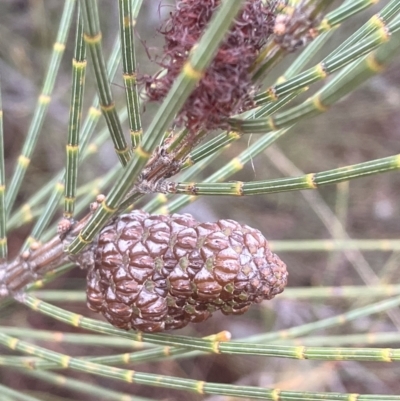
(149, 268)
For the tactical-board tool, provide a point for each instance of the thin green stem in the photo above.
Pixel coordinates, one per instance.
(127, 21)
(15, 395)
(308, 181)
(92, 36)
(42, 105)
(3, 214)
(331, 63)
(57, 188)
(81, 387)
(72, 147)
(190, 385)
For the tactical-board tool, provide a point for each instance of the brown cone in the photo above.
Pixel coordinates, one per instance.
(155, 273)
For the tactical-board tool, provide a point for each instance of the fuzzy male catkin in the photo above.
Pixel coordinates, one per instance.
(155, 273)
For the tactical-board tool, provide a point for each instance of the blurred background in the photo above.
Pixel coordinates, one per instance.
(363, 126)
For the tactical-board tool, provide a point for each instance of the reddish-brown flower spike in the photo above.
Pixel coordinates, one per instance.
(155, 273)
(226, 86)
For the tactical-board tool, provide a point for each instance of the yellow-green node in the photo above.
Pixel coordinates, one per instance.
(107, 208)
(191, 72)
(271, 93)
(92, 148)
(271, 124)
(94, 112)
(142, 153)
(39, 284)
(36, 304)
(122, 151)
(166, 351)
(317, 102)
(234, 135)
(215, 347)
(324, 26)
(79, 64)
(310, 180)
(200, 387)
(107, 107)
(44, 99)
(276, 394)
(387, 355)
(24, 161)
(95, 191)
(91, 40)
(162, 198)
(72, 148)
(384, 33)
(397, 161)
(321, 70)
(236, 164)
(59, 187)
(3, 241)
(126, 358)
(136, 134)
(1, 113)
(353, 397)
(30, 240)
(130, 77)
(83, 240)
(126, 21)
(238, 188)
(281, 79)
(129, 376)
(163, 210)
(188, 163)
(76, 320)
(376, 21)
(13, 342)
(2, 188)
(65, 360)
(58, 47)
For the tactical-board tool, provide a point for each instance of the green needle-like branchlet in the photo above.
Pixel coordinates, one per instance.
(9, 394)
(3, 214)
(55, 190)
(81, 387)
(42, 105)
(92, 35)
(72, 148)
(308, 181)
(127, 21)
(194, 386)
(331, 63)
